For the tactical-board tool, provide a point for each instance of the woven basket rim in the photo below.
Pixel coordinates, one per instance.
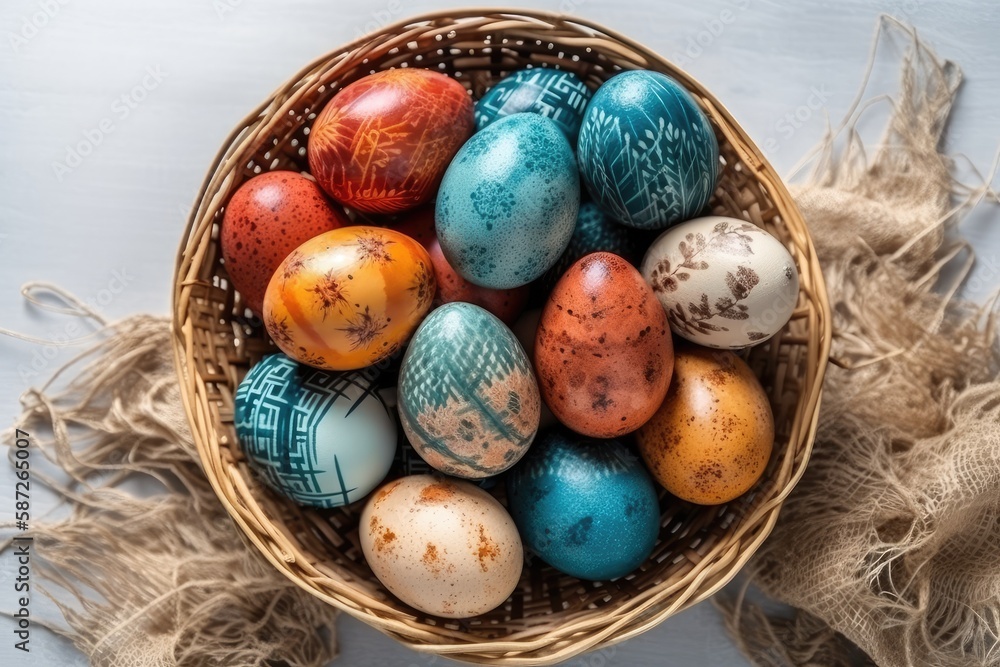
(707, 578)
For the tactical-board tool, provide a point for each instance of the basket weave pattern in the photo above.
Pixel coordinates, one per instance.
(550, 617)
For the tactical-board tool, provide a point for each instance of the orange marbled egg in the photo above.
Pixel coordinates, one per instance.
(382, 144)
(603, 351)
(349, 298)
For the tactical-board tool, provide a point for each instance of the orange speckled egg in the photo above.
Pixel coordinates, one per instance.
(349, 298)
(506, 304)
(269, 216)
(603, 352)
(711, 439)
(383, 143)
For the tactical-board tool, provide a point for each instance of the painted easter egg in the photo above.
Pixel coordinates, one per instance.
(383, 142)
(267, 218)
(468, 400)
(442, 546)
(506, 304)
(603, 351)
(648, 155)
(556, 94)
(349, 298)
(586, 507)
(711, 439)
(723, 282)
(322, 439)
(595, 231)
(508, 202)
(408, 462)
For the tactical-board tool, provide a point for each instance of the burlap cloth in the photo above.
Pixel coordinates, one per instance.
(891, 541)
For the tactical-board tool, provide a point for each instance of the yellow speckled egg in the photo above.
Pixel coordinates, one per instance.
(443, 546)
(349, 298)
(712, 437)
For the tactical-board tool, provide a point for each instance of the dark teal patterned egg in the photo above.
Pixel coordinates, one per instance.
(508, 202)
(648, 155)
(586, 507)
(318, 437)
(468, 400)
(561, 96)
(595, 231)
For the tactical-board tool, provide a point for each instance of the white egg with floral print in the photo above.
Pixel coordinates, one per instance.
(724, 282)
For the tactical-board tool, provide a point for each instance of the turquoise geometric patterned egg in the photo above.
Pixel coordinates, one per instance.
(596, 232)
(468, 400)
(508, 202)
(561, 96)
(320, 438)
(586, 507)
(648, 155)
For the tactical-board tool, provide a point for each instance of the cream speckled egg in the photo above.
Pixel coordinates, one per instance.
(724, 283)
(440, 545)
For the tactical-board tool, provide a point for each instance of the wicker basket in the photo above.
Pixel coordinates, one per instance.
(550, 616)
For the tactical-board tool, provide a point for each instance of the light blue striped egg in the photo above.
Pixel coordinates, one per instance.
(320, 438)
(467, 399)
(508, 202)
(556, 94)
(648, 155)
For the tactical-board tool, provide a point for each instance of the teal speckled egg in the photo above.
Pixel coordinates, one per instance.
(648, 155)
(467, 399)
(561, 96)
(321, 438)
(586, 507)
(508, 202)
(595, 231)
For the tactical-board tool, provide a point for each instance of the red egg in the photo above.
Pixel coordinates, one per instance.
(506, 304)
(603, 352)
(268, 217)
(382, 144)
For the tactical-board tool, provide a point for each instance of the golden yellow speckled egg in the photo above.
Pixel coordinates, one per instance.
(712, 437)
(349, 298)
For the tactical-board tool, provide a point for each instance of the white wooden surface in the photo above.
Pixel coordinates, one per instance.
(149, 90)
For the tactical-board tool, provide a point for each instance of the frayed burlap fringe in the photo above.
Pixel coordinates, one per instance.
(163, 580)
(892, 538)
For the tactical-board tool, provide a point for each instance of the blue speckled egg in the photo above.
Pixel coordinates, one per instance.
(508, 202)
(468, 400)
(595, 231)
(586, 507)
(648, 155)
(318, 437)
(561, 96)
